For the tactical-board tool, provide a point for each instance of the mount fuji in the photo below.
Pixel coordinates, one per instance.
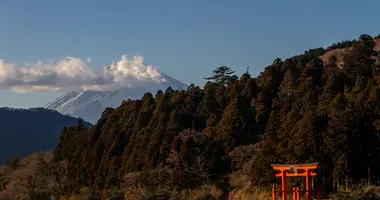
(89, 104)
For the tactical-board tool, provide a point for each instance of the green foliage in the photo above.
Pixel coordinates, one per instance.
(4, 180)
(199, 172)
(296, 111)
(223, 75)
(340, 45)
(13, 162)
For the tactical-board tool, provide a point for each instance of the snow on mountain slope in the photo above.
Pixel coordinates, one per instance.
(89, 105)
(59, 103)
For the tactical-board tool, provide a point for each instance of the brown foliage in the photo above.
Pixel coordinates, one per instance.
(310, 107)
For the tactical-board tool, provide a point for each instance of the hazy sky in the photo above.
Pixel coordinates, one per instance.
(184, 39)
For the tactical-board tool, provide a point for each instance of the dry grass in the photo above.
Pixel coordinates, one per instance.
(154, 185)
(339, 54)
(360, 192)
(248, 193)
(140, 193)
(239, 180)
(204, 192)
(243, 189)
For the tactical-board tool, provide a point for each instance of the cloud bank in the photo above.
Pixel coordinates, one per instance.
(74, 73)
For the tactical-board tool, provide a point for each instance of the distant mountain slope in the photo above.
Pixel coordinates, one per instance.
(90, 104)
(24, 131)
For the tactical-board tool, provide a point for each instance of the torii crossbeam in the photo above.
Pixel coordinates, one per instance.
(292, 170)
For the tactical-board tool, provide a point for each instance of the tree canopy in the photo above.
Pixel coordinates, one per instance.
(301, 109)
(222, 75)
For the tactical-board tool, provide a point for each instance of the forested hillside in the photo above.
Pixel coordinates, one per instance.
(24, 131)
(320, 106)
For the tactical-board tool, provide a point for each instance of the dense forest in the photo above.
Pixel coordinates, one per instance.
(297, 110)
(307, 108)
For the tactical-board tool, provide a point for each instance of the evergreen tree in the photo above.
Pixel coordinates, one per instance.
(310, 107)
(222, 75)
(4, 180)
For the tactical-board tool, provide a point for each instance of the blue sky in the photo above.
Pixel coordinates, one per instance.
(184, 39)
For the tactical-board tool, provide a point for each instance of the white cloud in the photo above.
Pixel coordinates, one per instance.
(73, 73)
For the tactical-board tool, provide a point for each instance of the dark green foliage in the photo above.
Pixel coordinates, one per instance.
(4, 180)
(13, 162)
(223, 75)
(199, 171)
(296, 111)
(359, 63)
(340, 45)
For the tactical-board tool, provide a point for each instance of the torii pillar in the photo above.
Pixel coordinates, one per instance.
(292, 170)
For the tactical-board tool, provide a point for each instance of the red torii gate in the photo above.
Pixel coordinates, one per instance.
(292, 170)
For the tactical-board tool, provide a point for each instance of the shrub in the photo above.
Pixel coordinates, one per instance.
(13, 162)
(359, 192)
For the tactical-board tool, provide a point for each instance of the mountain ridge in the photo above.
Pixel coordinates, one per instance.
(29, 130)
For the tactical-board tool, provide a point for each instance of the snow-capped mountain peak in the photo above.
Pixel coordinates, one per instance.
(90, 104)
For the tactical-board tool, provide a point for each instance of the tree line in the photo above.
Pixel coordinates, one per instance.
(297, 110)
